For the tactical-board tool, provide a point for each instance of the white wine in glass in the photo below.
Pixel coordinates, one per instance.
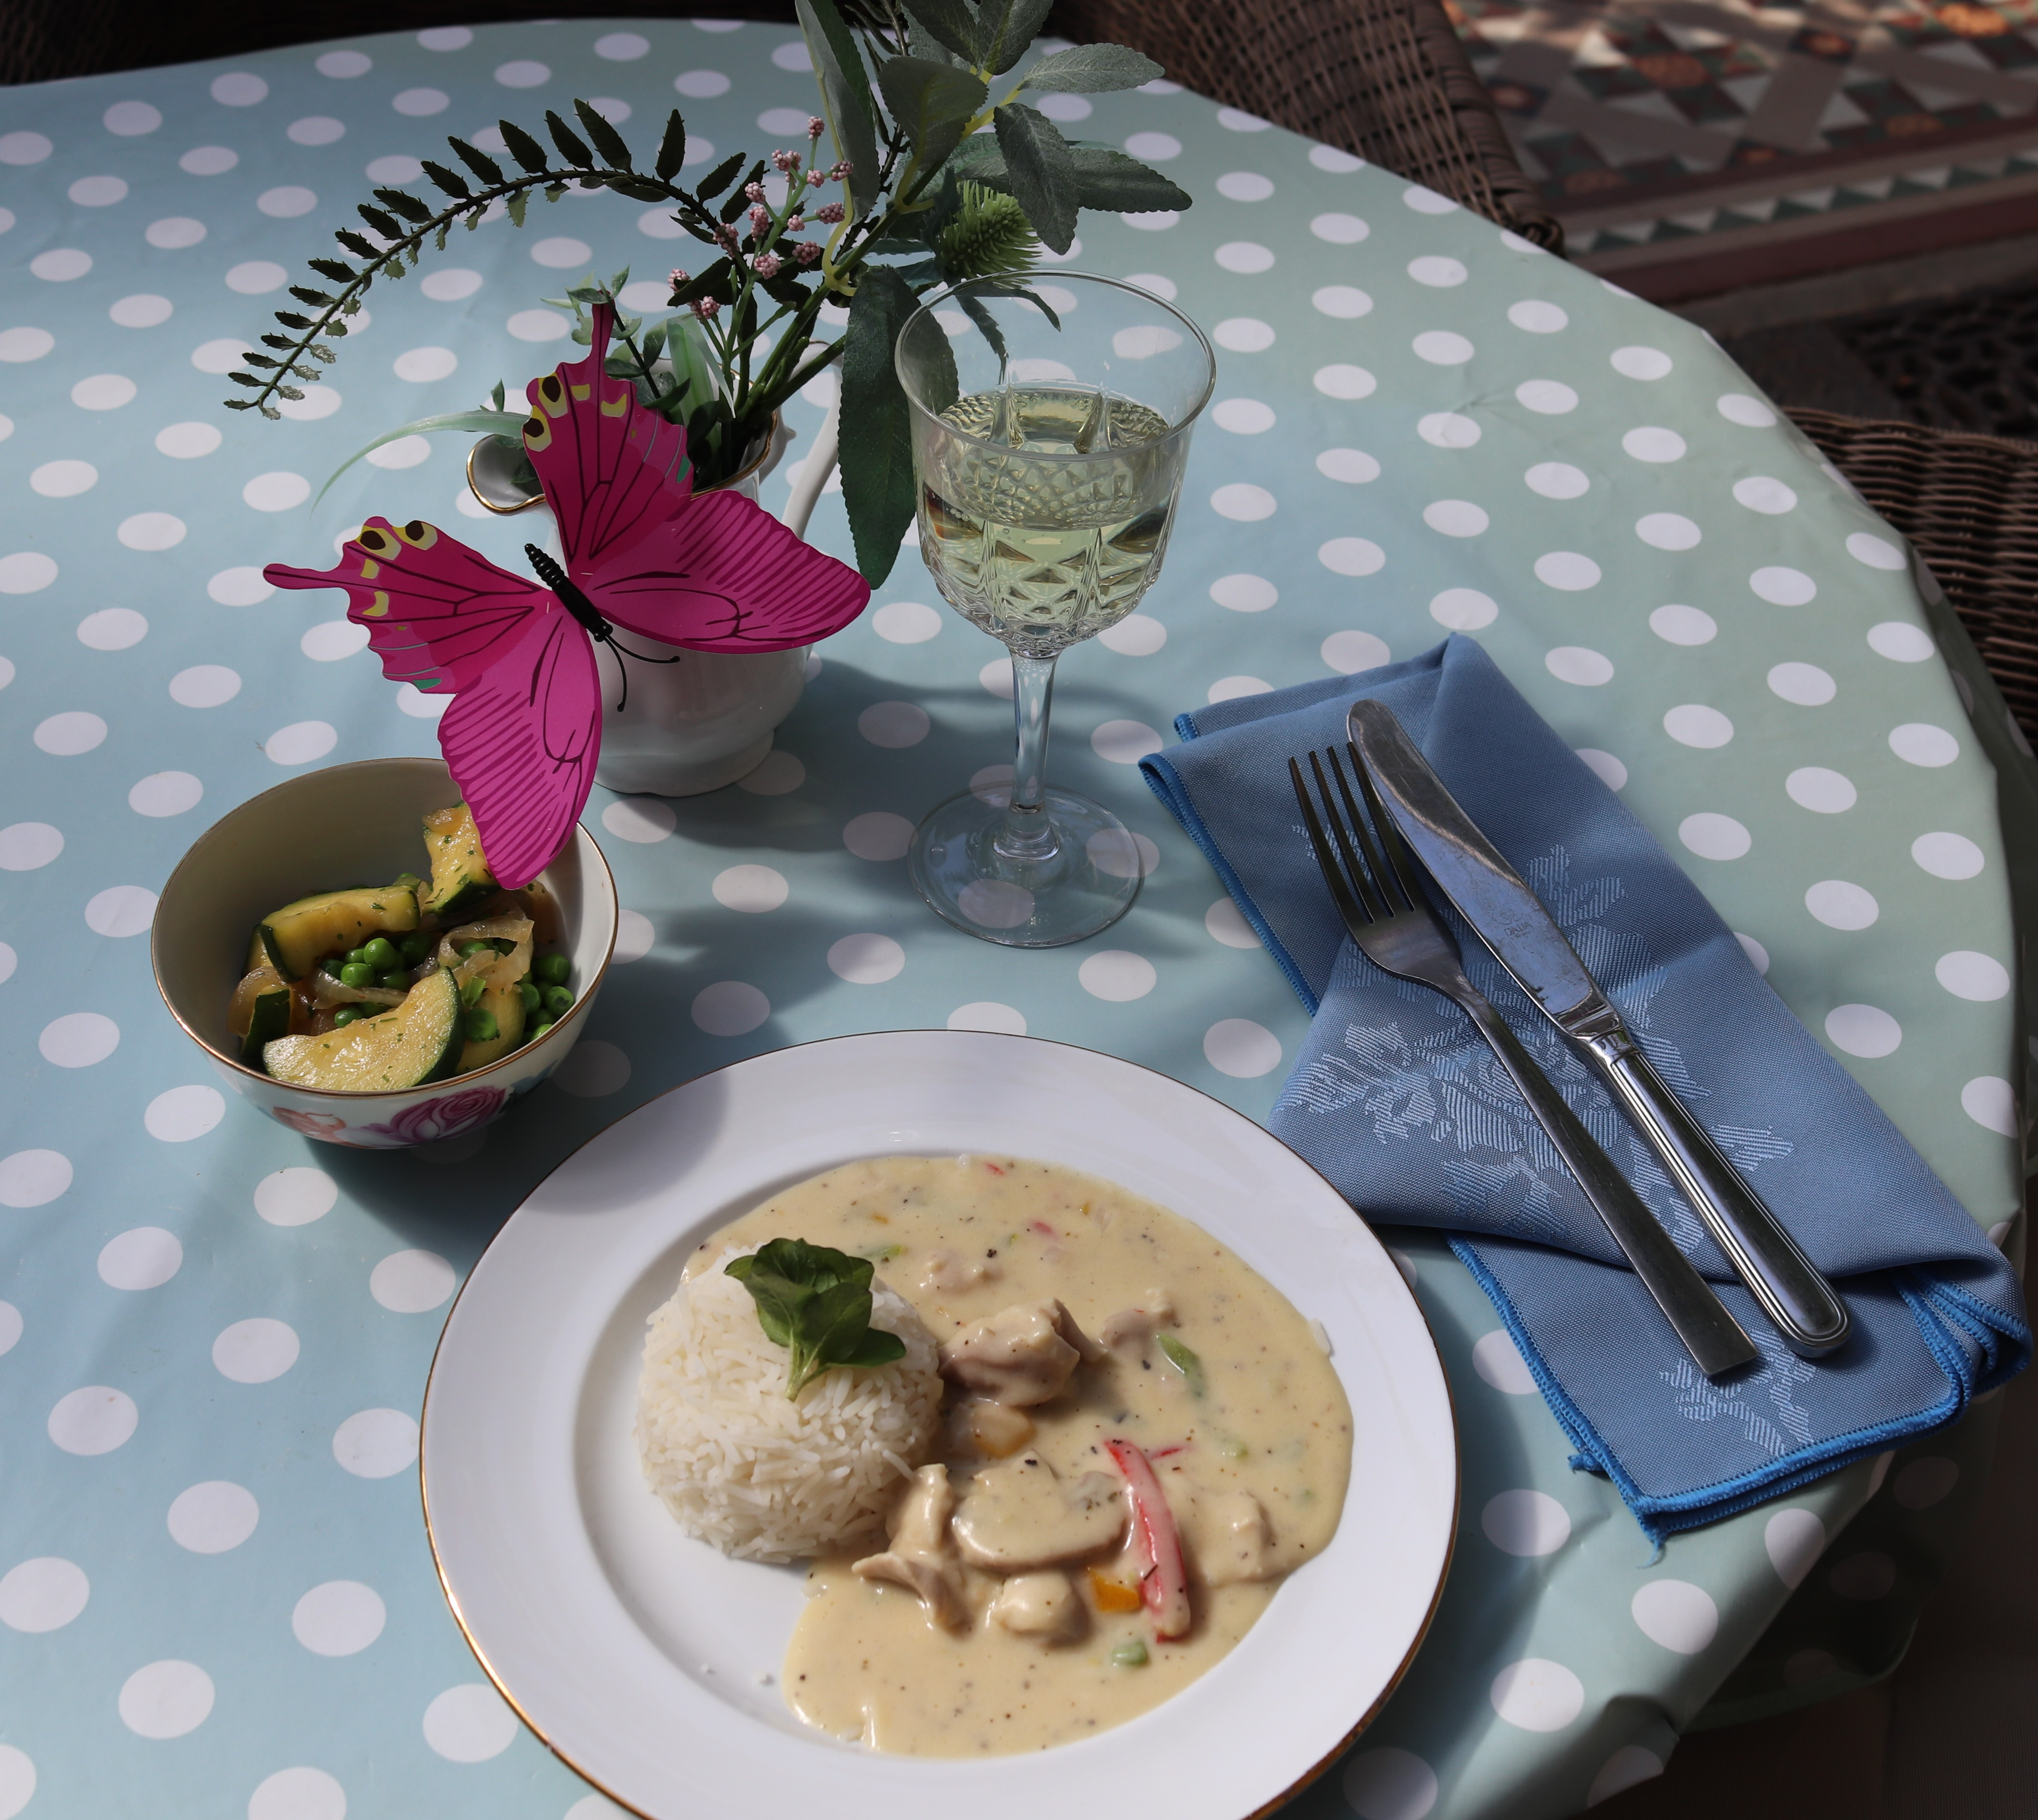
(1047, 452)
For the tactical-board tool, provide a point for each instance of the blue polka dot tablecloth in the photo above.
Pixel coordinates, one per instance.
(216, 1596)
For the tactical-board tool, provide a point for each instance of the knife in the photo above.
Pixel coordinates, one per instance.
(1510, 919)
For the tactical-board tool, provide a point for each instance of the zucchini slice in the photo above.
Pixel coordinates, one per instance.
(297, 936)
(505, 1004)
(460, 873)
(271, 1020)
(418, 1042)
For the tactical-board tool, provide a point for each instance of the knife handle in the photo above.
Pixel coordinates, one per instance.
(1812, 1318)
(1711, 1334)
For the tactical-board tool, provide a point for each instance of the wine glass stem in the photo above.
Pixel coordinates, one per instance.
(1026, 834)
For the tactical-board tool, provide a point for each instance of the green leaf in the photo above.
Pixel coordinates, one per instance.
(572, 147)
(1092, 70)
(876, 440)
(1110, 180)
(639, 190)
(672, 148)
(383, 223)
(1040, 171)
(949, 23)
(334, 269)
(451, 182)
(737, 201)
(721, 177)
(846, 97)
(358, 244)
(1010, 27)
(816, 1303)
(523, 148)
(714, 283)
(518, 202)
(932, 102)
(1183, 1361)
(405, 204)
(482, 166)
(607, 142)
(495, 421)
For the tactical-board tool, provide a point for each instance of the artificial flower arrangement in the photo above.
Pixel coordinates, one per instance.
(918, 195)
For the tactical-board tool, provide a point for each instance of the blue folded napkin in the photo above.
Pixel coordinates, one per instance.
(1398, 1102)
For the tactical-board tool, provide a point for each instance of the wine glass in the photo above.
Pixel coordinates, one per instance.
(1048, 446)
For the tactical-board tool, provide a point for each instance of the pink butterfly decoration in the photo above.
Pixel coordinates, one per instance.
(523, 732)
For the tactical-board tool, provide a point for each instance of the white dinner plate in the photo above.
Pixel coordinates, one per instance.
(641, 1656)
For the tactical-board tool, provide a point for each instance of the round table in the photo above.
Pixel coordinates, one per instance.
(216, 1333)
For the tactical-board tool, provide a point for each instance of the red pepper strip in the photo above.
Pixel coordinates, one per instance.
(1042, 1228)
(1165, 1585)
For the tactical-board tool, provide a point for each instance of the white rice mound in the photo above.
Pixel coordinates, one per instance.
(744, 1467)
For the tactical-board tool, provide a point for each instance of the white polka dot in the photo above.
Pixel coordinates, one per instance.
(1761, 493)
(779, 775)
(64, 480)
(1918, 742)
(331, 640)
(1782, 587)
(420, 104)
(1537, 317)
(1867, 1575)
(1235, 186)
(146, 1257)
(1437, 271)
(151, 531)
(1924, 1483)
(1464, 610)
(94, 1420)
(753, 889)
(906, 623)
(1567, 570)
(1875, 552)
(205, 685)
(1386, 1782)
(420, 365)
(1351, 556)
(182, 1113)
(1334, 158)
(79, 1040)
(1826, 792)
(995, 678)
(522, 74)
(1640, 362)
(187, 442)
(451, 284)
(33, 1177)
(1863, 1030)
(208, 161)
(1499, 1361)
(1525, 1523)
(635, 937)
(1604, 766)
(1232, 119)
(413, 701)
(242, 587)
(1901, 641)
(1344, 301)
(1694, 724)
(42, 1594)
(1339, 229)
(26, 148)
(1117, 976)
(1991, 1103)
(1122, 853)
(1244, 594)
(470, 1724)
(375, 1443)
(1626, 1768)
(405, 452)
(866, 960)
(1124, 741)
(1349, 652)
(1750, 413)
(701, 85)
(1969, 975)
(730, 1008)
(1156, 148)
(1681, 1616)
(1066, 108)
(1713, 836)
(20, 344)
(1652, 444)
(66, 735)
(279, 492)
(642, 819)
(1342, 380)
(1841, 905)
(1152, 281)
(1557, 480)
(10, 1326)
(1537, 1695)
(877, 835)
(995, 903)
(1442, 347)
(1579, 664)
(1241, 1048)
(1137, 635)
(1677, 625)
(1805, 685)
(446, 38)
(1424, 201)
(1548, 397)
(539, 325)
(163, 793)
(1758, 956)
(296, 1197)
(1245, 256)
(61, 264)
(1455, 518)
(26, 845)
(210, 1518)
(103, 392)
(622, 46)
(592, 1071)
(1242, 416)
(166, 1699)
(1243, 503)
(988, 1014)
(112, 629)
(239, 88)
(315, 130)
(1667, 531)
(411, 1282)
(1226, 923)
(299, 1793)
(255, 1351)
(340, 1617)
(1445, 430)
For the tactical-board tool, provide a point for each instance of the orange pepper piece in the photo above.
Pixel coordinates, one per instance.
(1111, 1594)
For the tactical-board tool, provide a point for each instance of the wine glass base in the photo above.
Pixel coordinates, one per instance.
(1079, 875)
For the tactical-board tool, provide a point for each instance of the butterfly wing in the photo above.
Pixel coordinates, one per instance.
(523, 733)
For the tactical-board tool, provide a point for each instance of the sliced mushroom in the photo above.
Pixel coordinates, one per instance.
(1021, 1356)
(1043, 1605)
(921, 1558)
(1018, 1516)
(949, 1272)
(1137, 1326)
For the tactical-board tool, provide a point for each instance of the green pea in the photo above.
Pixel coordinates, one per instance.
(551, 969)
(356, 973)
(467, 948)
(539, 1030)
(397, 980)
(357, 957)
(558, 1001)
(345, 1015)
(415, 947)
(528, 993)
(1130, 1654)
(332, 964)
(382, 954)
(481, 1026)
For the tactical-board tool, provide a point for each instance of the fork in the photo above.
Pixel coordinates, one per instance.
(1378, 895)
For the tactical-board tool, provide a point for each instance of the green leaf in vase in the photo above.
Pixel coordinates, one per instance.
(933, 101)
(1010, 29)
(1092, 70)
(1040, 171)
(877, 438)
(846, 97)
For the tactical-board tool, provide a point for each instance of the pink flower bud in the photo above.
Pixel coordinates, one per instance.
(817, 177)
(767, 264)
(755, 191)
(795, 222)
(760, 218)
(806, 252)
(816, 126)
(828, 212)
(785, 163)
(677, 277)
(705, 307)
(842, 170)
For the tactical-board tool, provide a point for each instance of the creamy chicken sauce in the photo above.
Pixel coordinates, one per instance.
(1003, 1614)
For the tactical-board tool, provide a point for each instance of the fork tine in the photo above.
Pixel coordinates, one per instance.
(1367, 887)
(1405, 871)
(1348, 907)
(1384, 880)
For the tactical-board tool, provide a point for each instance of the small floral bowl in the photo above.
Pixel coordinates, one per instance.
(354, 825)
